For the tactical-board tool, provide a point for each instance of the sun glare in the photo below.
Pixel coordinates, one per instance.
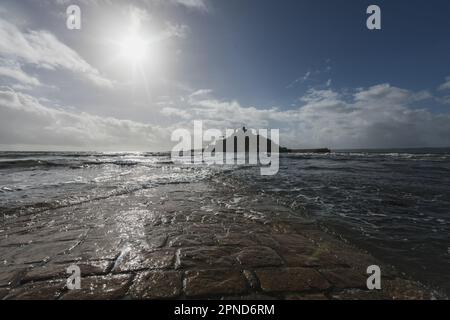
(134, 48)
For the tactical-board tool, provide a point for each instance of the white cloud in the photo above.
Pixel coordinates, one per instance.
(317, 96)
(25, 121)
(169, 111)
(194, 4)
(199, 95)
(379, 116)
(42, 49)
(302, 79)
(313, 76)
(176, 30)
(14, 71)
(387, 93)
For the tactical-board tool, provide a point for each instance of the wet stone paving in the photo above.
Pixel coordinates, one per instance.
(185, 241)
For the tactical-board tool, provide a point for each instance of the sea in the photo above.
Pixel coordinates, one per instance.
(393, 203)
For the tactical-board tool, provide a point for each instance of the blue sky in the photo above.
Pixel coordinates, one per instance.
(310, 68)
(256, 48)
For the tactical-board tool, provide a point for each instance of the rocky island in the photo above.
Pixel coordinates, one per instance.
(247, 135)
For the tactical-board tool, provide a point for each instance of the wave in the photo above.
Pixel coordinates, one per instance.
(347, 156)
(77, 164)
(9, 164)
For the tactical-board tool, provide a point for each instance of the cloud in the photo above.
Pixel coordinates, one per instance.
(14, 71)
(169, 111)
(446, 85)
(313, 76)
(386, 93)
(43, 50)
(25, 121)
(302, 79)
(380, 116)
(199, 95)
(444, 100)
(374, 117)
(193, 4)
(176, 30)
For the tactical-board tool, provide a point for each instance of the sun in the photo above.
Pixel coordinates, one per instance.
(134, 48)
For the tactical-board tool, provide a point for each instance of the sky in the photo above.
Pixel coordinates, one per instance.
(138, 70)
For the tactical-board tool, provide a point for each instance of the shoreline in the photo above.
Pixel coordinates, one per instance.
(187, 241)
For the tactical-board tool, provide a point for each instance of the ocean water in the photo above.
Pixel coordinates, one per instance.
(393, 203)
